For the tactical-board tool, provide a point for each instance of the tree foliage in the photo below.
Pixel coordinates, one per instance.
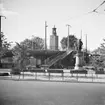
(21, 49)
(98, 56)
(20, 56)
(101, 49)
(98, 61)
(5, 45)
(34, 43)
(72, 41)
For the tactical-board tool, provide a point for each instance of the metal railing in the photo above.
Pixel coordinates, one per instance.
(58, 58)
(59, 75)
(52, 57)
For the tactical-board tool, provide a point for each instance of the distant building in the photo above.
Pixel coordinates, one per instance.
(54, 40)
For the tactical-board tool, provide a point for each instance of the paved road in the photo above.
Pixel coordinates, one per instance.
(50, 93)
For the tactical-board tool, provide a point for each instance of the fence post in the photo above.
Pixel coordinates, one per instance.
(71, 74)
(11, 75)
(19, 74)
(85, 75)
(97, 75)
(62, 75)
(77, 77)
(36, 75)
(23, 74)
(92, 77)
(49, 75)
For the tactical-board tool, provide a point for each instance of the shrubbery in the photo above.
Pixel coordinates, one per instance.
(100, 70)
(15, 71)
(4, 74)
(79, 71)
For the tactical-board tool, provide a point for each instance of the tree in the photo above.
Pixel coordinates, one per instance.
(101, 49)
(5, 46)
(34, 43)
(72, 41)
(20, 57)
(38, 43)
(97, 59)
(101, 52)
(21, 49)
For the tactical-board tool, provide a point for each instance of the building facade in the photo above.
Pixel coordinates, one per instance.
(54, 40)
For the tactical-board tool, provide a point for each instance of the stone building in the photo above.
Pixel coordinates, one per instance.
(54, 40)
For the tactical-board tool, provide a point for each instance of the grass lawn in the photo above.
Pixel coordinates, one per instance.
(50, 93)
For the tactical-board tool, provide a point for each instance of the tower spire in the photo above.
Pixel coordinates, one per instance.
(54, 31)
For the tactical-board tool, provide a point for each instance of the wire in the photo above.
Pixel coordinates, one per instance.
(100, 5)
(95, 10)
(79, 16)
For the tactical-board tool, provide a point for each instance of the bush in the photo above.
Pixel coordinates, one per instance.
(4, 74)
(15, 71)
(54, 71)
(79, 71)
(100, 72)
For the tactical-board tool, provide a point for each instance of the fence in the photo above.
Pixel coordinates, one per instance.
(59, 75)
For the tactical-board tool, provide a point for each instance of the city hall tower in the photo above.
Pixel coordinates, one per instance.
(54, 40)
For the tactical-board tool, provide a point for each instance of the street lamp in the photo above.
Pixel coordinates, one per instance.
(68, 34)
(0, 37)
(46, 35)
(0, 31)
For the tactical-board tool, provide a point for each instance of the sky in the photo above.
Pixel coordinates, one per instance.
(26, 18)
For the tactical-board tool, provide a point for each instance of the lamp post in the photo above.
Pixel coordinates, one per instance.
(68, 34)
(1, 32)
(1, 38)
(46, 35)
(86, 48)
(46, 41)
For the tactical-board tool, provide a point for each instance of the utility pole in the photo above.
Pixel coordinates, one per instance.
(1, 37)
(81, 35)
(32, 42)
(83, 50)
(86, 48)
(86, 43)
(68, 34)
(46, 35)
(1, 32)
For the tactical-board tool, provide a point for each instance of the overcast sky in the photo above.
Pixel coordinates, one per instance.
(27, 17)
